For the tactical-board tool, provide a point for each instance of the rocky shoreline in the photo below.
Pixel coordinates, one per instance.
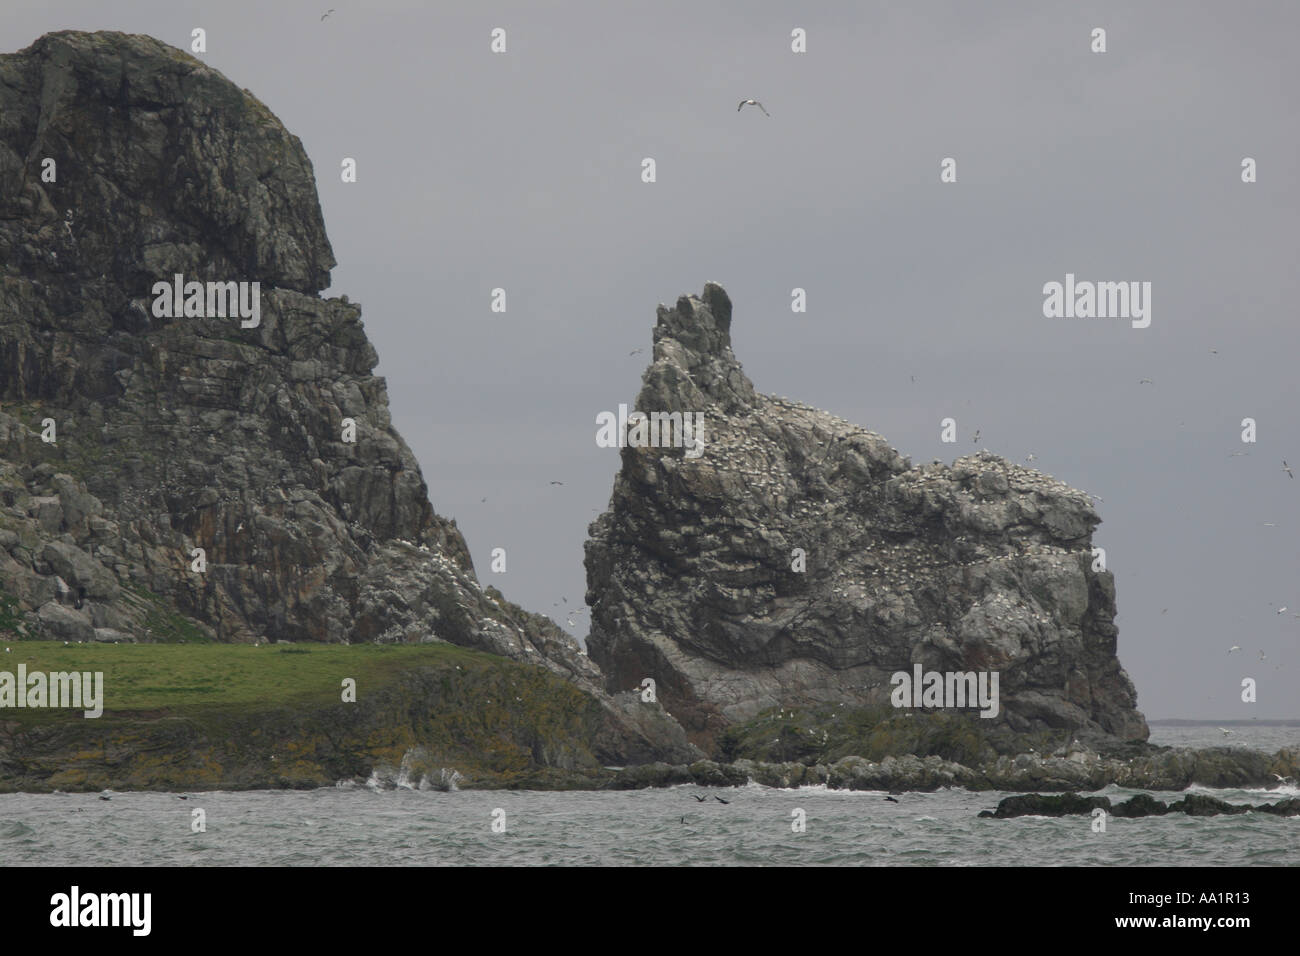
(1080, 770)
(1166, 769)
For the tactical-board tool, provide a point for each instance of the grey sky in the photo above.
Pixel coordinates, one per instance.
(522, 171)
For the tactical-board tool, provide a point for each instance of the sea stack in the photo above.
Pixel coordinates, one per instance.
(800, 561)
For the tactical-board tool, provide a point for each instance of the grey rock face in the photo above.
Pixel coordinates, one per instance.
(978, 566)
(176, 434)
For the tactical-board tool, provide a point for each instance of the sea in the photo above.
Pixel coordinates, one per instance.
(357, 825)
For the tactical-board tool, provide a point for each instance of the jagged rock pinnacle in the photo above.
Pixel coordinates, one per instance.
(801, 560)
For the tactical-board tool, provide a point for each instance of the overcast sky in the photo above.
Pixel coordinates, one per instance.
(522, 170)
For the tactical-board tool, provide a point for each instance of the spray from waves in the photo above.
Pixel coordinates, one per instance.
(417, 771)
(1282, 791)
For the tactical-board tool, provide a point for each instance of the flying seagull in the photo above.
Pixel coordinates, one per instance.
(699, 798)
(1234, 647)
(1225, 732)
(891, 799)
(635, 351)
(977, 436)
(1031, 458)
(744, 103)
(720, 800)
(326, 14)
(1145, 381)
(1287, 468)
(557, 482)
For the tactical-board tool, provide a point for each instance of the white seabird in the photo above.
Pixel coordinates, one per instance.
(744, 103)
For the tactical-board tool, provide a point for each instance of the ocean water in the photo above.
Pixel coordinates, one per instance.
(1269, 738)
(346, 826)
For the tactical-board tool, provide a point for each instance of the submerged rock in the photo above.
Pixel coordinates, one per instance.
(1141, 805)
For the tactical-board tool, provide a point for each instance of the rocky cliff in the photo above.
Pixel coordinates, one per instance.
(799, 561)
(135, 429)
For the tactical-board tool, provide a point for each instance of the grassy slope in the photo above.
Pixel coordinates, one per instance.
(149, 677)
(181, 716)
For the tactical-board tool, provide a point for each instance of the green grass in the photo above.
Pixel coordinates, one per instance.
(163, 677)
(221, 716)
(164, 625)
